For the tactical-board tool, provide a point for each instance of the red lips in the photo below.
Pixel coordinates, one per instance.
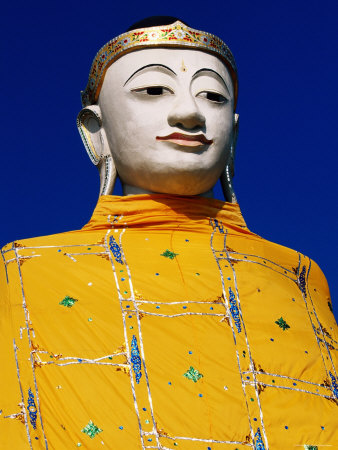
(185, 137)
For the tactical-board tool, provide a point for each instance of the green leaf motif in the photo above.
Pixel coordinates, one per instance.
(68, 301)
(193, 374)
(169, 254)
(282, 324)
(91, 429)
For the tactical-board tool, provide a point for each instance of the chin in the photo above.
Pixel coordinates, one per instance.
(180, 185)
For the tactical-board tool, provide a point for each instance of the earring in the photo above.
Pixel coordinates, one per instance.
(87, 126)
(107, 173)
(226, 179)
(229, 171)
(93, 138)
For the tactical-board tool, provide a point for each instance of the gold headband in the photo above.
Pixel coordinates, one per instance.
(176, 35)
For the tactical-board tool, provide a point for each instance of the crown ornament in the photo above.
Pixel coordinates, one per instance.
(176, 35)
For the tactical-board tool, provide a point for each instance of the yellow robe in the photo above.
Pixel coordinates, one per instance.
(165, 323)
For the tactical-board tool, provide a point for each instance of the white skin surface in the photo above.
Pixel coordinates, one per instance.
(144, 103)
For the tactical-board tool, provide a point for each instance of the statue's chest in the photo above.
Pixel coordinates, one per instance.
(189, 330)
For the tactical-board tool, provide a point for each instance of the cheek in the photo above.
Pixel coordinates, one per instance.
(221, 130)
(121, 127)
(133, 120)
(130, 130)
(219, 119)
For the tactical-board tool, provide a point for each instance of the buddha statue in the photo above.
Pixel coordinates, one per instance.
(164, 322)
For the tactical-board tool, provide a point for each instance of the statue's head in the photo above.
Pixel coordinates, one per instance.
(159, 111)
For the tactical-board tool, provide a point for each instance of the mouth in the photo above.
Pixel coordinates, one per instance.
(187, 140)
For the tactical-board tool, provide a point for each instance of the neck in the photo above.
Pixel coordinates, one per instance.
(134, 190)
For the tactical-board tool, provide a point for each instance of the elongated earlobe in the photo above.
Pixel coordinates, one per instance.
(107, 172)
(229, 170)
(89, 124)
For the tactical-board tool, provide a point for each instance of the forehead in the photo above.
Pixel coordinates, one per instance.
(175, 59)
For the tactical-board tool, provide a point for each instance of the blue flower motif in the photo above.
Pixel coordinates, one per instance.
(135, 359)
(115, 249)
(301, 281)
(217, 225)
(234, 310)
(32, 408)
(334, 385)
(259, 440)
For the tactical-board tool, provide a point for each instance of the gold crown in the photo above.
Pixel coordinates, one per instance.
(176, 35)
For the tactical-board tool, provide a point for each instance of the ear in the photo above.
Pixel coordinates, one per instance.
(89, 124)
(229, 171)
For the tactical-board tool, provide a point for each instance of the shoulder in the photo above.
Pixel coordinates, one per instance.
(306, 269)
(317, 286)
(16, 253)
(66, 238)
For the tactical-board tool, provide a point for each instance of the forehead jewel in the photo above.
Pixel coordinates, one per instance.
(176, 35)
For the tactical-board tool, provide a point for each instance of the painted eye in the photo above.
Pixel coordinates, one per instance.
(214, 97)
(154, 91)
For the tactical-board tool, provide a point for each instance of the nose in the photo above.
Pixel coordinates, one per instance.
(186, 114)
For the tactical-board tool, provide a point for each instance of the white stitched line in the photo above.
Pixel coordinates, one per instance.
(258, 257)
(249, 351)
(140, 342)
(309, 315)
(22, 396)
(57, 246)
(284, 376)
(231, 324)
(206, 440)
(24, 305)
(85, 362)
(175, 303)
(87, 253)
(5, 264)
(289, 388)
(175, 315)
(83, 359)
(125, 338)
(260, 264)
(320, 326)
(70, 256)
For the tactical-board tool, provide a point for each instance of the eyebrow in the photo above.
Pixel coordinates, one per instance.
(205, 69)
(145, 67)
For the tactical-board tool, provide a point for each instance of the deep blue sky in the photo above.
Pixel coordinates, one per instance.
(286, 163)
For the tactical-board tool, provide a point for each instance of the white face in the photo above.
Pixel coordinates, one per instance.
(168, 117)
